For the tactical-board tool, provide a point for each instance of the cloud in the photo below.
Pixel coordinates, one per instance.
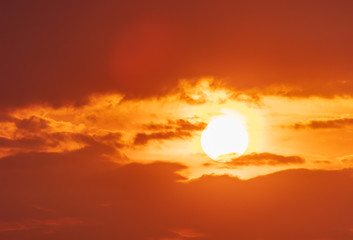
(143, 138)
(144, 55)
(194, 101)
(324, 124)
(26, 143)
(187, 126)
(34, 133)
(59, 142)
(252, 99)
(111, 139)
(5, 117)
(347, 159)
(260, 159)
(32, 124)
(110, 201)
(173, 129)
(77, 184)
(179, 124)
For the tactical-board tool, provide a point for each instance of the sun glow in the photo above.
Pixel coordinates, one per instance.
(224, 138)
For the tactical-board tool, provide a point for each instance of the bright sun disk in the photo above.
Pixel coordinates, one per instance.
(224, 138)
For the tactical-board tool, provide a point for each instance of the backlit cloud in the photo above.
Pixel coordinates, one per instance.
(324, 123)
(265, 158)
(172, 130)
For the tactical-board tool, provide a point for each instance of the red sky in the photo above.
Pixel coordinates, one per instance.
(102, 106)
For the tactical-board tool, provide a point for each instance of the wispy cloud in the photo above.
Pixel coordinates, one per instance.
(173, 129)
(324, 124)
(265, 158)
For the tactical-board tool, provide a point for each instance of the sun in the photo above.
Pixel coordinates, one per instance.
(224, 138)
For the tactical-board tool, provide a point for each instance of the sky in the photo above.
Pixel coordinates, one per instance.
(103, 105)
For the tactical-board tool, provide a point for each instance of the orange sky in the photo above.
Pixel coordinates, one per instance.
(102, 106)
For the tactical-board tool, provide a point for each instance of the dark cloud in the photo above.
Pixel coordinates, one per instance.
(111, 139)
(323, 161)
(40, 141)
(82, 195)
(173, 129)
(143, 138)
(60, 53)
(188, 126)
(44, 141)
(36, 134)
(84, 185)
(259, 159)
(58, 161)
(5, 117)
(34, 143)
(179, 124)
(32, 124)
(324, 124)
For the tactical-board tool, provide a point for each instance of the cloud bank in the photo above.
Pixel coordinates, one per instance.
(83, 195)
(120, 48)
